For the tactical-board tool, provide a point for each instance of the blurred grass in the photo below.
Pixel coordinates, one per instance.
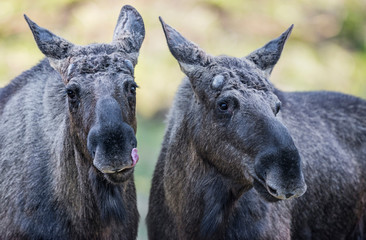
(326, 50)
(149, 137)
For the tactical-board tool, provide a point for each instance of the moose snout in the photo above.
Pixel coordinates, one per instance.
(118, 164)
(111, 141)
(280, 173)
(275, 188)
(113, 151)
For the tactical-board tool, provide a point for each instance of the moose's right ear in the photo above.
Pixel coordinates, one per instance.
(50, 45)
(190, 57)
(54, 47)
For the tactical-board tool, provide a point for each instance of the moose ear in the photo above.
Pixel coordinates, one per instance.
(54, 47)
(189, 56)
(266, 57)
(50, 45)
(129, 32)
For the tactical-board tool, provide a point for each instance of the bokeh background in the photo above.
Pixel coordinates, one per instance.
(326, 51)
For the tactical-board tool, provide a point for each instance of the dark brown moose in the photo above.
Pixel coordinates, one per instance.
(230, 130)
(67, 139)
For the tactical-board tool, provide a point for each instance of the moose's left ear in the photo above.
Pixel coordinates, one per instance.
(266, 57)
(129, 32)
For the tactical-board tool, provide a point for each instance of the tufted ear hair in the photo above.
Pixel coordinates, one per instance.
(129, 32)
(190, 57)
(51, 45)
(266, 57)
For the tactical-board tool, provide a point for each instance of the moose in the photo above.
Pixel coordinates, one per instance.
(242, 159)
(68, 145)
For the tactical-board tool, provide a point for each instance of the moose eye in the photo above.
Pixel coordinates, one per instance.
(278, 107)
(227, 106)
(133, 90)
(70, 93)
(223, 106)
(130, 88)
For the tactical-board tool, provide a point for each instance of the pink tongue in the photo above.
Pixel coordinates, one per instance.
(135, 156)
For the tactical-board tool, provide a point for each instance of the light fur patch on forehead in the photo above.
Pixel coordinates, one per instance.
(91, 64)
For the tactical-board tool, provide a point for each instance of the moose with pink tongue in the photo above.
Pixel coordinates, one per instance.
(74, 118)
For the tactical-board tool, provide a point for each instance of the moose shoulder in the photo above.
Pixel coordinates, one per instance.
(237, 153)
(67, 139)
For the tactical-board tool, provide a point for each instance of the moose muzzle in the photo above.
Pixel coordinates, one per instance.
(278, 166)
(111, 141)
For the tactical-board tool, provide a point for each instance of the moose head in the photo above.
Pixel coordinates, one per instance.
(236, 123)
(99, 92)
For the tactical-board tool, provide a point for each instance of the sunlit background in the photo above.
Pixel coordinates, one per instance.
(326, 51)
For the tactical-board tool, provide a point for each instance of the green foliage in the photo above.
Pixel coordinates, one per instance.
(149, 137)
(353, 30)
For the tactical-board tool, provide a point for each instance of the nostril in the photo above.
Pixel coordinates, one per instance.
(288, 195)
(272, 190)
(261, 175)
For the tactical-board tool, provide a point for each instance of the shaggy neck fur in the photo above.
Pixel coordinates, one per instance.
(213, 195)
(90, 196)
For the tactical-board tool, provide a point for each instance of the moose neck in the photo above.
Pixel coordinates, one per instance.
(192, 179)
(70, 164)
(90, 195)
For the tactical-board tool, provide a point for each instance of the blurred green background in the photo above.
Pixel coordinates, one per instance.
(326, 51)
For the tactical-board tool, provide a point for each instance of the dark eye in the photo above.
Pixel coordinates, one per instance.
(130, 87)
(226, 108)
(133, 89)
(223, 106)
(71, 94)
(278, 107)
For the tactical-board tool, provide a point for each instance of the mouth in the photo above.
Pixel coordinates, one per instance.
(119, 175)
(262, 189)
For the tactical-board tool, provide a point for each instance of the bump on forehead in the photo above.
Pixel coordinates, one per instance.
(218, 82)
